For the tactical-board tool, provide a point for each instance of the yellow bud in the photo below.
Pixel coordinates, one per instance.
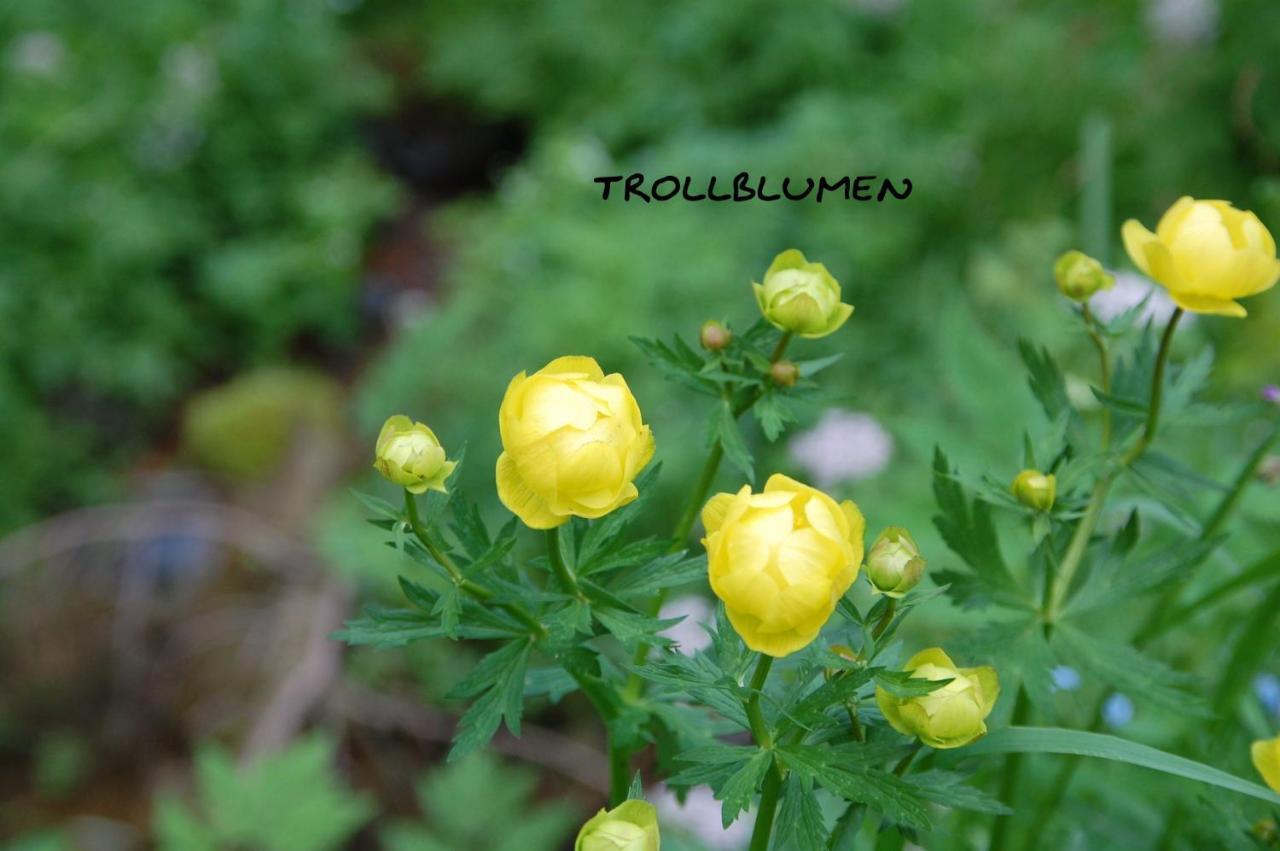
(1266, 758)
(784, 373)
(1206, 254)
(781, 560)
(894, 565)
(1034, 489)
(951, 716)
(409, 454)
(801, 297)
(573, 441)
(1079, 276)
(631, 826)
(713, 336)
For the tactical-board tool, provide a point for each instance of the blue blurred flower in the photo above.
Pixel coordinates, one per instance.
(1117, 711)
(1267, 688)
(1065, 678)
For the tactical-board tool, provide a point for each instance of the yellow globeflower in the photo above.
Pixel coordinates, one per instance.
(409, 454)
(1266, 758)
(780, 560)
(801, 297)
(948, 717)
(573, 442)
(630, 826)
(1206, 254)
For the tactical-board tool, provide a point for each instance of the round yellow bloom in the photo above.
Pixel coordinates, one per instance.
(948, 717)
(801, 297)
(1206, 254)
(630, 826)
(780, 560)
(894, 565)
(1079, 276)
(572, 441)
(1266, 758)
(1034, 489)
(409, 454)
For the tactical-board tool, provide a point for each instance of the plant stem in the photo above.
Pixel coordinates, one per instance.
(562, 571)
(619, 769)
(886, 618)
(764, 738)
(1157, 392)
(1104, 369)
(476, 590)
(1009, 779)
(781, 348)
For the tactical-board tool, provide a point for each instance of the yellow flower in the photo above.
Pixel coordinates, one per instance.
(1206, 254)
(409, 454)
(1079, 276)
(572, 441)
(894, 565)
(780, 560)
(1266, 758)
(801, 297)
(630, 826)
(1034, 489)
(948, 717)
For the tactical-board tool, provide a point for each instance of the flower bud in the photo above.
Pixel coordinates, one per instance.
(894, 565)
(1266, 758)
(784, 373)
(1079, 276)
(1266, 831)
(1034, 489)
(631, 826)
(713, 336)
(781, 560)
(948, 717)
(573, 442)
(1206, 254)
(801, 297)
(409, 454)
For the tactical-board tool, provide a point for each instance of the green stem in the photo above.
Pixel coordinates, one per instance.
(781, 348)
(764, 738)
(476, 590)
(886, 618)
(564, 574)
(1009, 779)
(1104, 370)
(619, 770)
(1157, 392)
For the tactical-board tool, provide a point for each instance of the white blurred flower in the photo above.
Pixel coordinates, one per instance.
(689, 635)
(1129, 290)
(843, 446)
(1183, 21)
(37, 53)
(699, 816)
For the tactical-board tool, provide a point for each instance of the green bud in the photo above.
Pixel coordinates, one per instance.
(1079, 276)
(894, 565)
(713, 336)
(631, 826)
(784, 373)
(409, 454)
(1034, 489)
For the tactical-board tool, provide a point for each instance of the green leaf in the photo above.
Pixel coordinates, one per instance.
(673, 570)
(740, 788)
(632, 628)
(1101, 746)
(730, 437)
(1045, 379)
(501, 677)
(800, 826)
(604, 531)
(627, 555)
(774, 413)
(810, 368)
(1263, 570)
(378, 506)
(952, 789)
(880, 790)
(901, 684)
(1129, 670)
(676, 364)
(1120, 585)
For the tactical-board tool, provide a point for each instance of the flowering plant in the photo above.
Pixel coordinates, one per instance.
(805, 708)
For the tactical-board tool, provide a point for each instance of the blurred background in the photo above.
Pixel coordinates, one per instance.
(236, 235)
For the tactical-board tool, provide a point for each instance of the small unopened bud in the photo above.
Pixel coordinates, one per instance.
(1034, 489)
(1079, 276)
(713, 336)
(409, 454)
(784, 373)
(894, 565)
(631, 826)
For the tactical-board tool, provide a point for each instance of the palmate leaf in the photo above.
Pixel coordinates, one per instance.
(951, 789)
(499, 679)
(632, 628)
(879, 790)
(711, 765)
(773, 412)
(1101, 746)
(736, 793)
(730, 438)
(678, 363)
(800, 826)
(1117, 583)
(670, 571)
(1128, 669)
(1045, 379)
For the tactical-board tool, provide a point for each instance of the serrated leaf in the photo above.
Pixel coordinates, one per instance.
(952, 789)
(740, 788)
(628, 555)
(1045, 379)
(730, 438)
(773, 413)
(903, 685)
(501, 676)
(605, 530)
(1121, 584)
(631, 628)
(674, 570)
(881, 791)
(1128, 670)
(800, 826)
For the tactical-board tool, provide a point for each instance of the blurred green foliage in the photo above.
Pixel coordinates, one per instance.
(182, 193)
